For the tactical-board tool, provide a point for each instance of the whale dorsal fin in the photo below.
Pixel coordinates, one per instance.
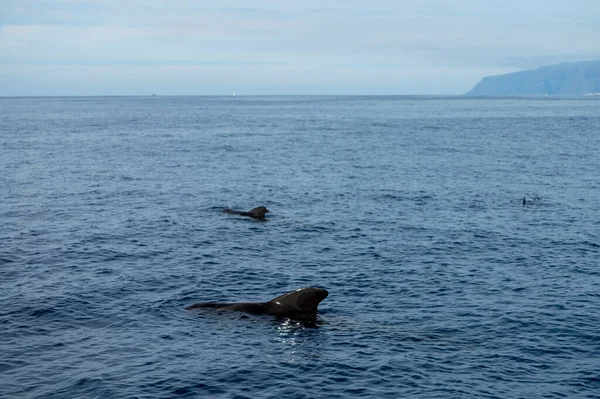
(302, 300)
(258, 212)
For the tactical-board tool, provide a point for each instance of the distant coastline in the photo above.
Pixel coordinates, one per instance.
(566, 79)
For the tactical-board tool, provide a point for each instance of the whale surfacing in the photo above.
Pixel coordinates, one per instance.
(255, 213)
(301, 303)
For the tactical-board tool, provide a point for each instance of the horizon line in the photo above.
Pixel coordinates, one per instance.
(229, 95)
(464, 95)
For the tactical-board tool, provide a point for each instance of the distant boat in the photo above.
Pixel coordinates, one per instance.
(233, 94)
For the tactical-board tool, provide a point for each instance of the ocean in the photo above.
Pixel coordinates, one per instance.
(408, 210)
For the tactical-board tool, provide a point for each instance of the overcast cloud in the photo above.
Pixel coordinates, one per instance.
(115, 47)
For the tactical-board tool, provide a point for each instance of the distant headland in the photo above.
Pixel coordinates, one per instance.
(566, 79)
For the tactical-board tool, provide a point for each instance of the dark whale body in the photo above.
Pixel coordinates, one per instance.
(301, 303)
(256, 213)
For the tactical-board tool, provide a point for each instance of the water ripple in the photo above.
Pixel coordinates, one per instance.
(408, 210)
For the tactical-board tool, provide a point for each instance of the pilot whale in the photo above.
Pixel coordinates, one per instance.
(301, 303)
(256, 213)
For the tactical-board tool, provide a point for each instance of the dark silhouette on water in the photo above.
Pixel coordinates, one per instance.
(299, 304)
(533, 201)
(255, 213)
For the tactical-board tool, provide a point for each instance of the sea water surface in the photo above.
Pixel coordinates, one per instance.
(409, 210)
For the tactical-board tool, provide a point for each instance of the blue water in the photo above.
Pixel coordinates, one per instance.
(442, 284)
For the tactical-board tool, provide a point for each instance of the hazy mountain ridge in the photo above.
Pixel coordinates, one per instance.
(566, 79)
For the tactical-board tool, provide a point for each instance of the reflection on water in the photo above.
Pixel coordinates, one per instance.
(301, 341)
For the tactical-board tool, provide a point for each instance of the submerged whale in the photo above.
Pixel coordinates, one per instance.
(256, 213)
(301, 303)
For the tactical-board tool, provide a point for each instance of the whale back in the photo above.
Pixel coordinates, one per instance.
(303, 301)
(256, 213)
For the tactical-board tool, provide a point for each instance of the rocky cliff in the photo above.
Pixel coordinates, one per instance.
(567, 79)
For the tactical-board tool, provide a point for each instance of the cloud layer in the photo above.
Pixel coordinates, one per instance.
(69, 47)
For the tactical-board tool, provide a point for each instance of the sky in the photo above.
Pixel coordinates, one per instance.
(264, 47)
